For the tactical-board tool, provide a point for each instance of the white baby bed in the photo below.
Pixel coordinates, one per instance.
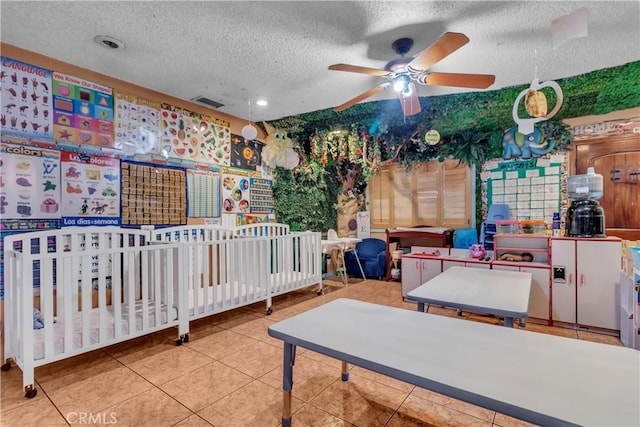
(245, 264)
(74, 270)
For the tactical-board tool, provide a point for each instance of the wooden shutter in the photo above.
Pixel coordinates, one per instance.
(456, 194)
(426, 187)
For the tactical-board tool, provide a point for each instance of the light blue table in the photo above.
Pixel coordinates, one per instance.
(498, 292)
(543, 379)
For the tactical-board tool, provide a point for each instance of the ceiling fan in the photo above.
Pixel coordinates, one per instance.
(401, 73)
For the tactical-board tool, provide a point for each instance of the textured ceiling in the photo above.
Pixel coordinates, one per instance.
(237, 52)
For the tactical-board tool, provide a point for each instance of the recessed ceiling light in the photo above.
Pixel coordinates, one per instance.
(108, 41)
(261, 102)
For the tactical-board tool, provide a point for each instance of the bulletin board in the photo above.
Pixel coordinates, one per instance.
(153, 195)
(531, 188)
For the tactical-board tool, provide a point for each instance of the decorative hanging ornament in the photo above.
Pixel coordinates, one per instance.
(249, 132)
(432, 137)
(525, 126)
(535, 102)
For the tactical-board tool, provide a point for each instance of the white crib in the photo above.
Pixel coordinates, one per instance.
(94, 287)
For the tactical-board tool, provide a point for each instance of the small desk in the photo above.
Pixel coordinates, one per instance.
(341, 244)
(497, 292)
(543, 379)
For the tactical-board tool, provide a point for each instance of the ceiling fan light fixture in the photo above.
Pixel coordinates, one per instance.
(249, 132)
(401, 83)
(407, 92)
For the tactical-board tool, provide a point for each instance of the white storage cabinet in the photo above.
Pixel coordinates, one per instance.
(418, 269)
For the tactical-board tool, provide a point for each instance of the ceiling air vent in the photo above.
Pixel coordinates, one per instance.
(206, 101)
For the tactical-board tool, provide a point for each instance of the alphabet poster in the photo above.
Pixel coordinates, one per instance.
(90, 190)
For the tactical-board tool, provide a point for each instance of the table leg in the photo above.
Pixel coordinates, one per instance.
(421, 307)
(287, 382)
(345, 371)
(508, 322)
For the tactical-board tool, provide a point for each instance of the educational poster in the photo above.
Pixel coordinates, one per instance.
(26, 99)
(194, 137)
(90, 190)
(153, 195)
(82, 111)
(531, 188)
(245, 219)
(261, 195)
(245, 154)
(137, 124)
(236, 193)
(203, 194)
(29, 187)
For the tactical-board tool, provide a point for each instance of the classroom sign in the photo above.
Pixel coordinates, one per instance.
(82, 111)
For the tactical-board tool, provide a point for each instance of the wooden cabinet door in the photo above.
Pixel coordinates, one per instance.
(563, 290)
(598, 279)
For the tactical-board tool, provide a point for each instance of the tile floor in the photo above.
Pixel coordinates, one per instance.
(230, 374)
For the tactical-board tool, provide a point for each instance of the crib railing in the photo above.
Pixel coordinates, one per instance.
(93, 287)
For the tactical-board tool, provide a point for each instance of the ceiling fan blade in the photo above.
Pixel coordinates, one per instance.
(358, 69)
(475, 81)
(443, 47)
(359, 98)
(410, 104)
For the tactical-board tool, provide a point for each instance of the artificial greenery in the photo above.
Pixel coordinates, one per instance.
(471, 126)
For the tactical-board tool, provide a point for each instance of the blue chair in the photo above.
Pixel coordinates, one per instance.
(373, 255)
(464, 238)
(488, 229)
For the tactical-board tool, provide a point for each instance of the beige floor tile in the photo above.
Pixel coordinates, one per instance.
(601, 338)
(75, 369)
(138, 348)
(162, 367)
(310, 378)
(97, 393)
(35, 413)
(229, 319)
(561, 332)
(360, 401)
(205, 385)
(152, 408)
(255, 405)
(221, 343)
(256, 329)
(12, 391)
(458, 405)
(503, 420)
(255, 360)
(193, 421)
(420, 412)
(382, 379)
(310, 416)
(334, 363)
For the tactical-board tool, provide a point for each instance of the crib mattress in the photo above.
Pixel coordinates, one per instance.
(58, 327)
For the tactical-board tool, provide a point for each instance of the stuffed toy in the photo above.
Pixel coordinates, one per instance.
(278, 149)
(37, 319)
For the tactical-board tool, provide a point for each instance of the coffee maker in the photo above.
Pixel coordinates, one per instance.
(585, 217)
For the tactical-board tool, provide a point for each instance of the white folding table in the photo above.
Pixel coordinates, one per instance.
(543, 379)
(498, 292)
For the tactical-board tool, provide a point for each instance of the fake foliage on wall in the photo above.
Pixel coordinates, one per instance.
(472, 128)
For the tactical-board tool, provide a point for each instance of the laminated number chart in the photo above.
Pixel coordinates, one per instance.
(531, 188)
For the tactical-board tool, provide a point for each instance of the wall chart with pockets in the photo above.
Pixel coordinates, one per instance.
(29, 185)
(82, 111)
(26, 99)
(90, 190)
(261, 195)
(191, 136)
(153, 194)
(137, 124)
(203, 193)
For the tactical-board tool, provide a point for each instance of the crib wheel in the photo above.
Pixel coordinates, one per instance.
(31, 392)
(185, 338)
(6, 366)
(269, 311)
(319, 293)
(459, 313)
(179, 341)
